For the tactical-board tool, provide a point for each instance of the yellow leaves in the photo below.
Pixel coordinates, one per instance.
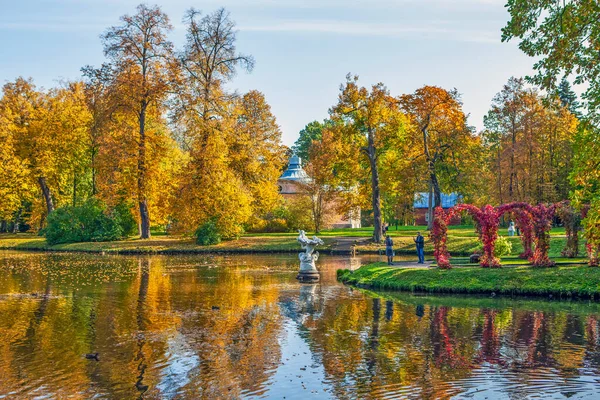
(233, 165)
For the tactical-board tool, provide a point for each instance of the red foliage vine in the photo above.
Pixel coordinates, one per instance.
(487, 219)
(542, 224)
(535, 223)
(593, 252)
(571, 219)
(525, 224)
(439, 236)
(592, 243)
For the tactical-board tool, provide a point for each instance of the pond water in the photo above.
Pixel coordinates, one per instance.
(242, 327)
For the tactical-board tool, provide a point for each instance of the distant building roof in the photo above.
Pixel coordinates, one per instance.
(448, 200)
(294, 171)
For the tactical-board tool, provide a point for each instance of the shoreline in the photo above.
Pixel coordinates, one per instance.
(554, 282)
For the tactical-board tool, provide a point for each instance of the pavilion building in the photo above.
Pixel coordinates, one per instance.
(290, 186)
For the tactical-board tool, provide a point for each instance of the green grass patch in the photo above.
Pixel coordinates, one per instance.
(562, 281)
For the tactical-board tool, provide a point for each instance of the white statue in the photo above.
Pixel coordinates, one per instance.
(308, 271)
(511, 229)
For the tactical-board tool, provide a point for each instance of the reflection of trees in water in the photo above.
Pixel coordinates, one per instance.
(425, 347)
(237, 344)
(490, 343)
(153, 321)
(144, 265)
(592, 347)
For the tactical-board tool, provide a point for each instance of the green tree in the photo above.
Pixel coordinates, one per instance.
(564, 37)
(311, 132)
(568, 98)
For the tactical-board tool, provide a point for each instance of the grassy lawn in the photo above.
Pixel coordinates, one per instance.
(567, 281)
(464, 246)
(158, 244)
(462, 241)
(402, 231)
(513, 260)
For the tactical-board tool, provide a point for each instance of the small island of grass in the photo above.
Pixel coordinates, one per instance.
(562, 281)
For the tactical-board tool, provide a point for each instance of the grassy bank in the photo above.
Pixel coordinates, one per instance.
(577, 281)
(158, 245)
(462, 241)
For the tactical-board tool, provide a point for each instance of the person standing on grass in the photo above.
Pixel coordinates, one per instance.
(389, 249)
(420, 242)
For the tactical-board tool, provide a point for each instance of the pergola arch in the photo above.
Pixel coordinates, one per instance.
(535, 222)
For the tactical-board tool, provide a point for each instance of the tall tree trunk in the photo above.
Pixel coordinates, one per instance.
(434, 185)
(74, 189)
(93, 172)
(512, 166)
(16, 225)
(377, 228)
(47, 194)
(499, 176)
(430, 207)
(142, 200)
(437, 192)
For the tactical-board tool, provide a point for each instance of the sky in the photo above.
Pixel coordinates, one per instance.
(303, 48)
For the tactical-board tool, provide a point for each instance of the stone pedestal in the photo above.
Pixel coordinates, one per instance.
(308, 272)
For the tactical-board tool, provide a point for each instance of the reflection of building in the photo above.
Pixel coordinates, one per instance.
(290, 186)
(421, 204)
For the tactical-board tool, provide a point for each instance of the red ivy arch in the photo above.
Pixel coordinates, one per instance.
(535, 223)
(542, 224)
(439, 235)
(525, 224)
(487, 219)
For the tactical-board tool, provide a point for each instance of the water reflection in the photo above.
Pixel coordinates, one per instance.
(242, 327)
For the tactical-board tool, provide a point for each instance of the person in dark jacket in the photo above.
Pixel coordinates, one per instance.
(389, 249)
(420, 242)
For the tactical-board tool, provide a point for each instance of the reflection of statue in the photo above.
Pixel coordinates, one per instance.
(308, 271)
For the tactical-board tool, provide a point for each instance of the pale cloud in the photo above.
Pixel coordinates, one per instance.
(423, 30)
(306, 4)
(52, 26)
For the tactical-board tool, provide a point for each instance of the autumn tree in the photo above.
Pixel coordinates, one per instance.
(320, 189)
(140, 54)
(46, 130)
(15, 183)
(440, 125)
(233, 142)
(367, 123)
(256, 154)
(99, 100)
(529, 140)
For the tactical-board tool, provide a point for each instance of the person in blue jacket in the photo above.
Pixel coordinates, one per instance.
(420, 242)
(389, 249)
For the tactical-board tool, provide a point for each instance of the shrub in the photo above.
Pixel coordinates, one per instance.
(503, 247)
(299, 214)
(89, 222)
(208, 233)
(127, 221)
